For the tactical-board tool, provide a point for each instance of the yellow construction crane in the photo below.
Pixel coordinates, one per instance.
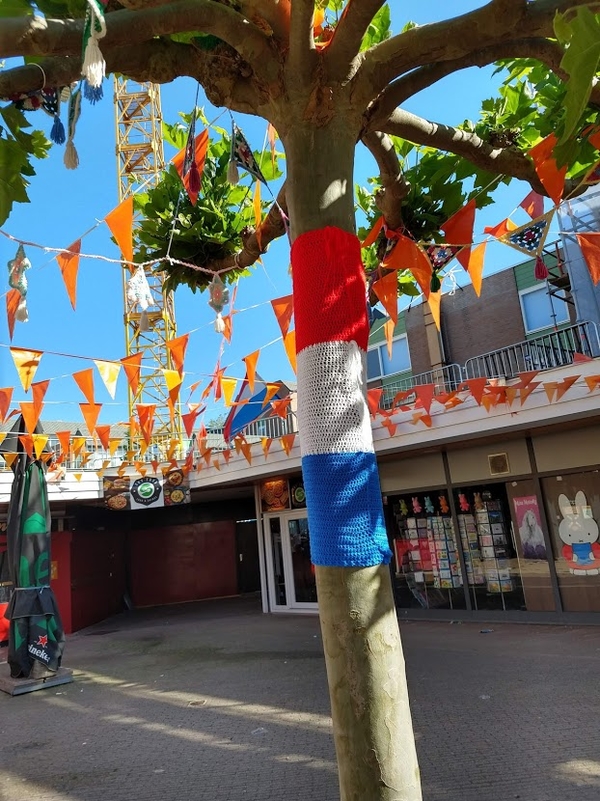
(140, 162)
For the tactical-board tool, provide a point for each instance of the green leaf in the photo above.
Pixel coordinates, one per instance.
(15, 8)
(580, 61)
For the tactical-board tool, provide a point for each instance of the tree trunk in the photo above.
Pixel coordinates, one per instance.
(372, 724)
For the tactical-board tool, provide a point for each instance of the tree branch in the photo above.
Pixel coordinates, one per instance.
(394, 186)
(348, 36)
(501, 161)
(302, 54)
(23, 36)
(454, 39)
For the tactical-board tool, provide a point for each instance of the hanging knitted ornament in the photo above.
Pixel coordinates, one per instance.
(50, 103)
(139, 293)
(93, 68)
(71, 158)
(219, 298)
(436, 284)
(18, 280)
(242, 155)
(541, 271)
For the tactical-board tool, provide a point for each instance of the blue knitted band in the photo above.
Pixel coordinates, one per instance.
(345, 511)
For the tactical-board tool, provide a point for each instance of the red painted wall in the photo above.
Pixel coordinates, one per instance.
(60, 555)
(183, 563)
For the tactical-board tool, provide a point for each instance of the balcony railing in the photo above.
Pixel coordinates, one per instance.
(445, 379)
(556, 349)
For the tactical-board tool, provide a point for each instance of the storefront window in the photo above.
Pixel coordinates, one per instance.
(277, 557)
(573, 510)
(427, 567)
(493, 570)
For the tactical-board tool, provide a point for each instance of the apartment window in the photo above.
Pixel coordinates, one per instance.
(542, 310)
(380, 364)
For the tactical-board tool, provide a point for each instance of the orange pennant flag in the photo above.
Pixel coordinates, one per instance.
(27, 363)
(27, 442)
(226, 455)
(550, 388)
(388, 330)
(250, 362)
(90, 412)
(266, 443)
(287, 443)
(386, 290)
(435, 301)
(283, 308)
(476, 387)
(271, 391)
(39, 443)
(391, 427)
(565, 385)
(38, 392)
(511, 394)
(407, 255)
(281, 407)
(371, 237)
(551, 177)
(487, 401)
(64, 437)
(13, 298)
(216, 462)
(145, 412)
(533, 204)
(177, 348)
(206, 455)
(228, 386)
(200, 148)
(68, 261)
(9, 458)
(228, 330)
(78, 445)
(503, 228)
(592, 381)
(113, 445)
(257, 214)
(459, 231)
(475, 268)
(85, 381)
(526, 391)
(109, 373)
(5, 399)
(425, 393)
(103, 433)
(373, 398)
(30, 416)
(189, 420)
(527, 377)
(289, 343)
(590, 247)
(120, 222)
(132, 366)
(173, 379)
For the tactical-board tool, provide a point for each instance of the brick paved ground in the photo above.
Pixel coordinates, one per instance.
(217, 702)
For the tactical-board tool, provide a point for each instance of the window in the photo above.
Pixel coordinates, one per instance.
(542, 310)
(379, 363)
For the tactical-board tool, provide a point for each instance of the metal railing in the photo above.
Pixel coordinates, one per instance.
(445, 379)
(556, 349)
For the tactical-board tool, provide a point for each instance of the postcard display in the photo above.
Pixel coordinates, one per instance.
(484, 540)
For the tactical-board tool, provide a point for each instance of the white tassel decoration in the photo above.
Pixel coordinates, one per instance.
(220, 324)
(144, 322)
(94, 66)
(71, 158)
(22, 314)
(233, 175)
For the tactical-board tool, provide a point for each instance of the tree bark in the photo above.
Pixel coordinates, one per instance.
(372, 724)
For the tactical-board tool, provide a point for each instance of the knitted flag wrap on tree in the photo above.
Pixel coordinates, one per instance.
(242, 156)
(339, 468)
(94, 67)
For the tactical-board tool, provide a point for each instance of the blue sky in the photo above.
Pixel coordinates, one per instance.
(65, 204)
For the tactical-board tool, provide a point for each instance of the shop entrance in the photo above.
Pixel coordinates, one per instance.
(290, 573)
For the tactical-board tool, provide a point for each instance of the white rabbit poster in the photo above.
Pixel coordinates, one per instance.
(527, 514)
(579, 532)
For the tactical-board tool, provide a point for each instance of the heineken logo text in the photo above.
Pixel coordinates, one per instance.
(37, 652)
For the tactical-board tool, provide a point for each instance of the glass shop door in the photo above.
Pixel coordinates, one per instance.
(290, 573)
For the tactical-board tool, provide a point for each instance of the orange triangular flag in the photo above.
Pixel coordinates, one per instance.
(31, 415)
(487, 401)
(425, 393)
(281, 407)
(68, 261)
(39, 443)
(386, 290)
(216, 381)
(266, 443)
(64, 437)
(551, 177)
(504, 227)
(289, 343)
(132, 365)
(177, 348)
(550, 388)
(85, 381)
(103, 433)
(78, 476)
(120, 222)
(27, 363)
(373, 398)
(38, 392)
(476, 387)
(287, 442)
(173, 379)
(113, 445)
(565, 385)
(388, 330)
(245, 448)
(200, 148)
(216, 462)
(228, 386)
(459, 231)
(78, 444)
(511, 394)
(371, 237)
(283, 308)
(271, 391)
(109, 373)
(590, 247)
(9, 458)
(435, 300)
(475, 268)
(533, 204)
(13, 298)
(189, 420)
(226, 455)
(27, 442)
(525, 392)
(592, 382)
(257, 214)
(145, 412)
(391, 427)
(228, 330)
(407, 255)
(90, 412)
(250, 362)
(527, 377)
(5, 399)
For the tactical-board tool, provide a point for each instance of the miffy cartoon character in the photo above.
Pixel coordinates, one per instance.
(403, 508)
(428, 505)
(478, 502)
(463, 502)
(579, 531)
(444, 508)
(417, 508)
